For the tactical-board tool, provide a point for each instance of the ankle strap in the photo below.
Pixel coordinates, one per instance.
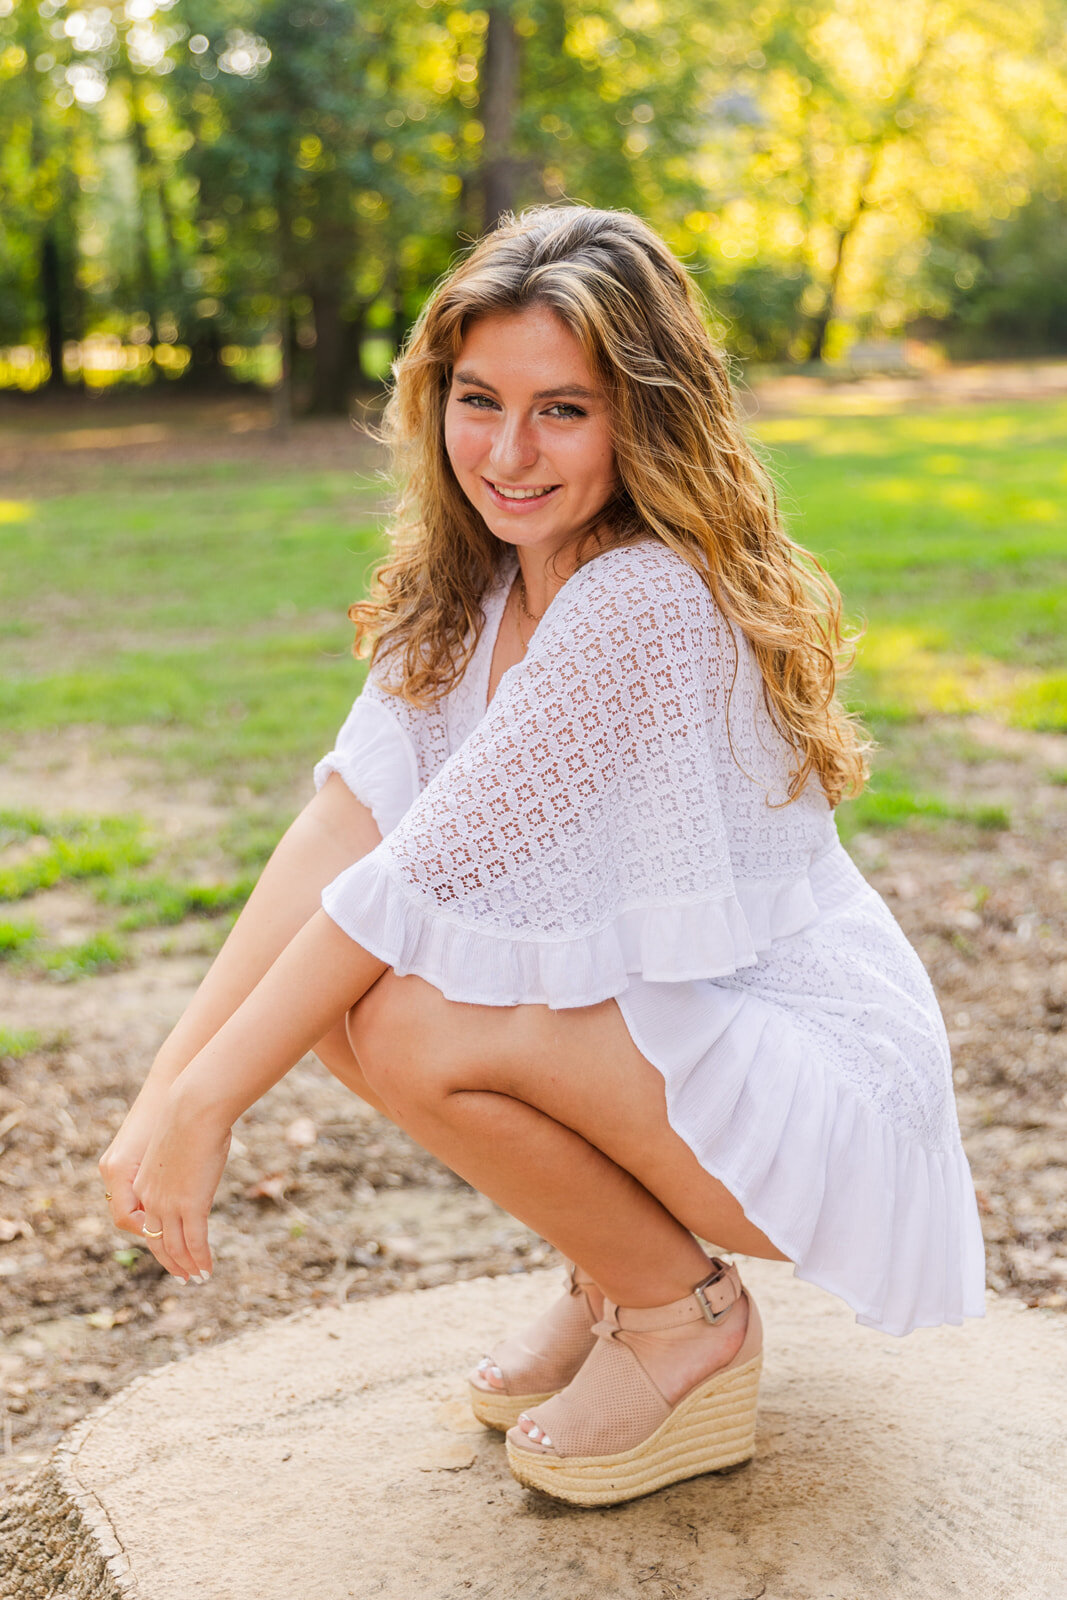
(710, 1300)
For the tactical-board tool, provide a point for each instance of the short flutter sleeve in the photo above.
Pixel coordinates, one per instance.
(386, 751)
(577, 835)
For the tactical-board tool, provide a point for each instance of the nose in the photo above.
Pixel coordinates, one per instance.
(514, 447)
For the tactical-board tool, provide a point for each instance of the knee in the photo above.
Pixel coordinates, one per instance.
(400, 1053)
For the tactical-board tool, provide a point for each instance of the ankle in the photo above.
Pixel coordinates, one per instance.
(673, 1291)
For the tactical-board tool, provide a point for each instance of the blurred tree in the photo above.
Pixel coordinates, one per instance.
(500, 72)
(1002, 286)
(311, 155)
(39, 158)
(849, 126)
(222, 173)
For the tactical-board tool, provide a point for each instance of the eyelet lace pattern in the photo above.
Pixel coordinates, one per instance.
(603, 830)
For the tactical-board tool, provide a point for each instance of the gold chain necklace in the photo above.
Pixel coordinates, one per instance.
(522, 600)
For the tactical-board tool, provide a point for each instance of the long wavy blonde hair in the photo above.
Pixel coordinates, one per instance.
(685, 470)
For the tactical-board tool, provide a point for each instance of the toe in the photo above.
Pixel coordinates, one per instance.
(526, 1435)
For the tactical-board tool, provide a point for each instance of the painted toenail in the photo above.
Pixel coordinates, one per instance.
(496, 1372)
(535, 1433)
(546, 1441)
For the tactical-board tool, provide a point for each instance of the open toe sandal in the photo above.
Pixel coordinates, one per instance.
(611, 1436)
(537, 1363)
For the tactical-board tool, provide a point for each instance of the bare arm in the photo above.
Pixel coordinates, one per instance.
(333, 830)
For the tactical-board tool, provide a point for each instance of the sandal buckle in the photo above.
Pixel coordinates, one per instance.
(721, 1268)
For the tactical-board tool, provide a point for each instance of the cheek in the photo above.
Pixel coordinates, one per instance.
(461, 441)
(602, 470)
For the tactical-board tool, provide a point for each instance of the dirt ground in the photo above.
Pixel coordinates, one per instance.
(324, 1202)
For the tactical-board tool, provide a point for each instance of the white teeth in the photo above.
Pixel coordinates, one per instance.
(523, 494)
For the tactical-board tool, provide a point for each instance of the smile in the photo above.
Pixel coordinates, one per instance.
(517, 499)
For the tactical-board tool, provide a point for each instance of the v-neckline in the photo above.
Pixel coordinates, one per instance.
(491, 633)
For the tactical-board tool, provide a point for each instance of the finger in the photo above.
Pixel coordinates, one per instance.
(161, 1245)
(127, 1212)
(147, 1216)
(195, 1228)
(174, 1239)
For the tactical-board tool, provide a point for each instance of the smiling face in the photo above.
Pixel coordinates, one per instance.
(527, 430)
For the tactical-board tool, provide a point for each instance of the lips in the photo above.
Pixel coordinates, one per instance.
(524, 502)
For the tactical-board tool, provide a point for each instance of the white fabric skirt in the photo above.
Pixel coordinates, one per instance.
(817, 1086)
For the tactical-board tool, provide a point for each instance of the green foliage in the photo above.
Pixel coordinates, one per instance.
(1000, 284)
(103, 952)
(24, 946)
(158, 902)
(74, 848)
(217, 179)
(18, 1042)
(15, 936)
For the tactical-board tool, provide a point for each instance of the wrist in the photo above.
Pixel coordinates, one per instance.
(191, 1100)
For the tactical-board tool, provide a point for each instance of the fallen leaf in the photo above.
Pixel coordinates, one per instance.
(271, 1186)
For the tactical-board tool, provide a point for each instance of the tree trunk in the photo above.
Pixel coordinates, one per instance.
(330, 370)
(52, 304)
(282, 397)
(821, 322)
(500, 74)
(143, 163)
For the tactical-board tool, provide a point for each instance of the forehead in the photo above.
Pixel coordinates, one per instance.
(533, 345)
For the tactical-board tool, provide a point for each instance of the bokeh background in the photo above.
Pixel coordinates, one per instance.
(218, 220)
(209, 188)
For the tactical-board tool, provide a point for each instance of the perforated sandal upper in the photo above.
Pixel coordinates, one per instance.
(613, 1404)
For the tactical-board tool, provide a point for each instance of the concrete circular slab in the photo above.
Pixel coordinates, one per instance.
(333, 1453)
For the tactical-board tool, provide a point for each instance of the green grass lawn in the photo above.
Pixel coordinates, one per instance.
(197, 619)
(947, 532)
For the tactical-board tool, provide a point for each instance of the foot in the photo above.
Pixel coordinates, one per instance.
(667, 1393)
(546, 1355)
(676, 1359)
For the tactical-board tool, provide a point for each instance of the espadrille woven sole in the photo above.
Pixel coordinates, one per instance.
(712, 1428)
(499, 1410)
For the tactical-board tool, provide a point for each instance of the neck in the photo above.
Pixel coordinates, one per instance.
(543, 577)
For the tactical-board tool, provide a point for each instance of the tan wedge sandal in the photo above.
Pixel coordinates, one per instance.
(535, 1364)
(611, 1436)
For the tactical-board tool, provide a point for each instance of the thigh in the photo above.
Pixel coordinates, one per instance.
(579, 1066)
(335, 1051)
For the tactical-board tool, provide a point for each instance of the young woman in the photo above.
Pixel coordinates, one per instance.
(586, 928)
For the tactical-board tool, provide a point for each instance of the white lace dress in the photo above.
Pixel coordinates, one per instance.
(591, 835)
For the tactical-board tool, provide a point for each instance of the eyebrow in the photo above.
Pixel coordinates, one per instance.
(574, 389)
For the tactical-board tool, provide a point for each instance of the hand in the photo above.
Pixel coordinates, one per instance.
(121, 1161)
(176, 1182)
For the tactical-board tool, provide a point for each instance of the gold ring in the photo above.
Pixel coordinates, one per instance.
(152, 1234)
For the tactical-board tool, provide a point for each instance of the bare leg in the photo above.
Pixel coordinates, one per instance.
(558, 1117)
(335, 1052)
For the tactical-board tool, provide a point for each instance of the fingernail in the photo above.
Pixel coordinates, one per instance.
(179, 1277)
